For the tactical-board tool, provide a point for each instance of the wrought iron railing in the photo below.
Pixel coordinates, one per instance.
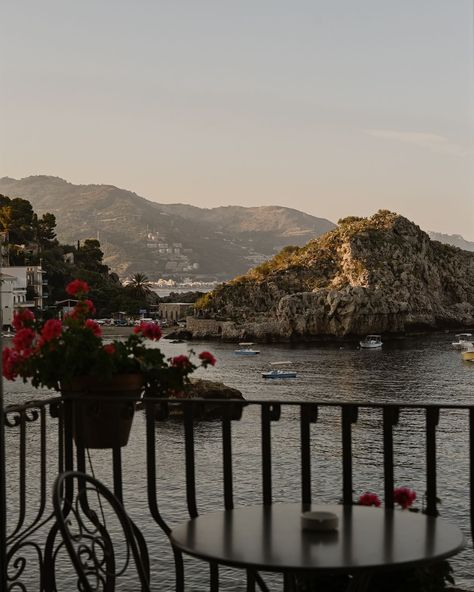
(40, 445)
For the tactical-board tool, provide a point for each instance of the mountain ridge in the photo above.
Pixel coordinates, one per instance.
(165, 240)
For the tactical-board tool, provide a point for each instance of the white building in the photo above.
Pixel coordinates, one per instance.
(16, 284)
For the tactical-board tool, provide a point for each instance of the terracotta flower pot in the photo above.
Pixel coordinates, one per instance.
(104, 422)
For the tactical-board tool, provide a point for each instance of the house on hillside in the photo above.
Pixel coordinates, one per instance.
(21, 287)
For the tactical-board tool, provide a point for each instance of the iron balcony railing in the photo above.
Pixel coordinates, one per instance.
(39, 445)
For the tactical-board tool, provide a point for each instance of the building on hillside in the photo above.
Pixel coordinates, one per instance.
(173, 311)
(8, 296)
(21, 287)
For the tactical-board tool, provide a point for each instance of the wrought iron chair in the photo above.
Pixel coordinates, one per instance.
(87, 539)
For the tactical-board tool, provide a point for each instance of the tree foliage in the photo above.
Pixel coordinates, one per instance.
(31, 240)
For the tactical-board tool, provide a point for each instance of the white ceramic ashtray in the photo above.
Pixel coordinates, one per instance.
(319, 521)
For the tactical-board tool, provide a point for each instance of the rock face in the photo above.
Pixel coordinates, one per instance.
(370, 275)
(206, 389)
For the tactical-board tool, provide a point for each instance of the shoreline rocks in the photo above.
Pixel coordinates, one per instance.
(204, 389)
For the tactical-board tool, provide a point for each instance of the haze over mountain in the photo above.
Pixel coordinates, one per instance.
(166, 240)
(456, 240)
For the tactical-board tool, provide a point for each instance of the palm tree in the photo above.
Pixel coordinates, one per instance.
(140, 285)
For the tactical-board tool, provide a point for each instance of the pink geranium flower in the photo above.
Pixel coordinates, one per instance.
(10, 360)
(22, 319)
(52, 329)
(53, 353)
(149, 330)
(370, 499)
(110, 349)
(23, 339)
(181, 362)
(207, 358)
(77, 288)
(94, 327)
(404, 496)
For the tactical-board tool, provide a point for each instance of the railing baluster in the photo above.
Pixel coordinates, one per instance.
(117, 471)
(390, 419)
(270, 412)
(432, 419)
(59, 411)
(190, 462)
(22, 474)
(308, 415)
(349, 416)
(42, 499)
(151, 467)
(227, 459)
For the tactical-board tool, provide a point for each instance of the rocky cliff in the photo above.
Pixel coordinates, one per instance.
(370, 275)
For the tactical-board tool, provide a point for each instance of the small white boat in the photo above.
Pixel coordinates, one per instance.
(464, 341)
(279, 372)
(371, 342)
(245, 349)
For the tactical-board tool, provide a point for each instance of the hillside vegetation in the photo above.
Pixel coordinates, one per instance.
(165, 240)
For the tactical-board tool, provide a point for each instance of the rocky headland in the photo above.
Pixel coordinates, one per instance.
(381, 274)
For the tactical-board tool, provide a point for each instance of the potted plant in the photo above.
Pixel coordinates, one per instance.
(70, 356)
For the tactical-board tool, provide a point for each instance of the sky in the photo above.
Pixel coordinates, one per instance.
(332, 107)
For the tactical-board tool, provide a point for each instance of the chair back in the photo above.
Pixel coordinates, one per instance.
(90, 518)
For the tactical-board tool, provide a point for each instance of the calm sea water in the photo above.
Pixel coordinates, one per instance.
(416, 370)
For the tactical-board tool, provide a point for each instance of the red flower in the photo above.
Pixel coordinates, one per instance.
(90, 305)
(404, 496)
(77, 287)
(369, 499)
(94, 327)
(182, 362)
(10, 360)
(149, 330)
(207, 358)
(21, 318)
(23, 339)
(109, 348)
(52, 329)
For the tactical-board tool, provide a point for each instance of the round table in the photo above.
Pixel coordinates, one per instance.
(270, 538)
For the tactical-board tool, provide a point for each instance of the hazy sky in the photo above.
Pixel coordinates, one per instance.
(333, 107)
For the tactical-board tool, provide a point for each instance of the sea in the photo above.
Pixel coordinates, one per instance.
(423, 369)
(163, 292)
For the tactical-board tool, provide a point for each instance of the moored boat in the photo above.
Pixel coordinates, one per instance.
(464, 341)
(245, 349)
(279, 372)
(371, 342)
(468, 355)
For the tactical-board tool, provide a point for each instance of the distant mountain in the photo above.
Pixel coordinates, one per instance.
(166, 240)
(452, 239)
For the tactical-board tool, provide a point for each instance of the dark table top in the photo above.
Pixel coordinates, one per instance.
(271, 538)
